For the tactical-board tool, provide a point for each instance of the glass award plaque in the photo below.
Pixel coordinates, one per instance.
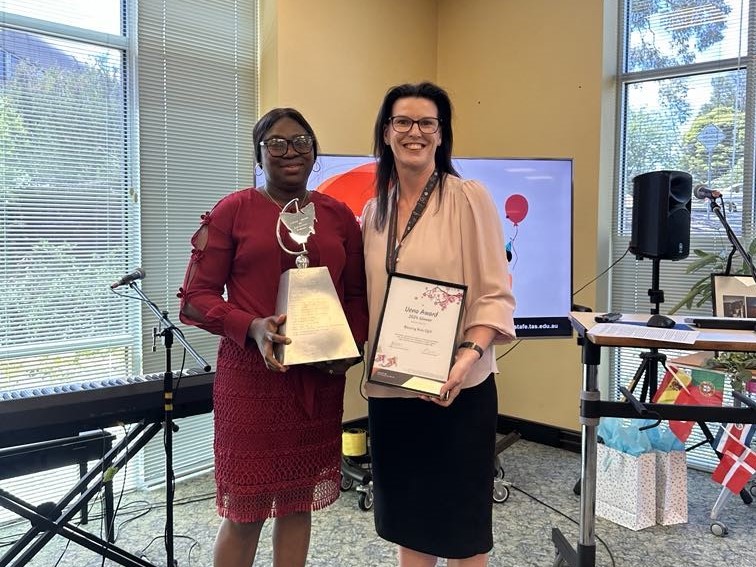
(315, 320)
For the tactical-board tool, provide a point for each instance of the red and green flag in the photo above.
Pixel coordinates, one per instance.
(691, 387)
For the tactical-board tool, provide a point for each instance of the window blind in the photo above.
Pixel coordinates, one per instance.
(197, 78)
(686, 85)
(77, 213)
(67, 224)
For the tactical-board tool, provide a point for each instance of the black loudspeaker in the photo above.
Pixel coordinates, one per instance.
(661, 215)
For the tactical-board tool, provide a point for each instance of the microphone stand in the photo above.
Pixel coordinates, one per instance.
(745, 496)
(733, 238)
(166, 329)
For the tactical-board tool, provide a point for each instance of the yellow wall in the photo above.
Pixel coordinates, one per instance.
(334, 59)
(525, 77)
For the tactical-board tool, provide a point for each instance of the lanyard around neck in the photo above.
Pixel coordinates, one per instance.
(392, 247)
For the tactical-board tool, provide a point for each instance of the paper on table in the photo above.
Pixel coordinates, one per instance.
(643, 332)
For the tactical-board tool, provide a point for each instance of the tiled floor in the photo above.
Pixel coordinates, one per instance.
(343, 535)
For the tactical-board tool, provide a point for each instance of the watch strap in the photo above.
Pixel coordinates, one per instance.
(474, 346)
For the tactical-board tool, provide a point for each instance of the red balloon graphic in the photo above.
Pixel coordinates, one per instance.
(516, 207)
(353, 187)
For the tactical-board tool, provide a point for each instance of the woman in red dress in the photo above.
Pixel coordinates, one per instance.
(277, 429)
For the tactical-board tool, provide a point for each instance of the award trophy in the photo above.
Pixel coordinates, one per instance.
(315, 321)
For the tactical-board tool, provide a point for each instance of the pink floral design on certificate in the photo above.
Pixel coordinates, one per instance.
(385, 361)
(442, 296)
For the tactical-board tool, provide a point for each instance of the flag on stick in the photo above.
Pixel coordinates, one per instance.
(675, 382)
(733, 433)
(736, 468)
(692, 387)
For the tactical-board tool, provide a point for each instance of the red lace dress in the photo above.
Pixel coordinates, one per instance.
(277, 436)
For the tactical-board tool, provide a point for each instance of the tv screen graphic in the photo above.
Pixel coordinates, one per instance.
(534, 199)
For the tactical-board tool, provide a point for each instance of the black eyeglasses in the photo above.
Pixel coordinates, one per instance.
(277, 147)
(402, 124)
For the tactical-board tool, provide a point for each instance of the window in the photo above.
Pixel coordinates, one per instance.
(67, 222)
(116, 135)
(685, 84)
(197, 107)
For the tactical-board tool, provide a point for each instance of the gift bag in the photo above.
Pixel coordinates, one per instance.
(671, 476)
(671, 487)
(625, 435)
(626, 488)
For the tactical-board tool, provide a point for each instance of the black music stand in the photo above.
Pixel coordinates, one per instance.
(648, 371)
(648, 374)
(592, 408)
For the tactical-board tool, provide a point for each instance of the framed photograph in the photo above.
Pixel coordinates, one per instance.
(417, 334)
(733, 296)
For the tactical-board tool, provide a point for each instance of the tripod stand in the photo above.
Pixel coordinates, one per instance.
(648, 371)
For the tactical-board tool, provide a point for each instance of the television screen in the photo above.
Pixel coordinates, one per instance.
(534, 201)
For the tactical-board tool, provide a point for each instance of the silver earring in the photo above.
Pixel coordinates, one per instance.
(316, 166)
(258, 169)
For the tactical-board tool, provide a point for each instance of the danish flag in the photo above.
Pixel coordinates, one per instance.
(734, 433)
(737, 466)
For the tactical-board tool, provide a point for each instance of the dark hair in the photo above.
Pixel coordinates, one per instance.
(386, 171)
(266, 122)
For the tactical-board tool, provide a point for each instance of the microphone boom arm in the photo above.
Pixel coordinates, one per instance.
(733, 238)
(166, 323)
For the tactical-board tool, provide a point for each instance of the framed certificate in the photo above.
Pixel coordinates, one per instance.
(417, 333)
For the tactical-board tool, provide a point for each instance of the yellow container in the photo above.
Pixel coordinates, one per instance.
(354, 442)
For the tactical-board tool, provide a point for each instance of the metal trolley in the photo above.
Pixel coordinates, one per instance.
(717, 527)
(356, 473)
(500, 486)
(355, 466)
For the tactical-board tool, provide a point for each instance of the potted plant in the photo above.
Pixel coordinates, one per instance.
(736, 365)
(710, 263)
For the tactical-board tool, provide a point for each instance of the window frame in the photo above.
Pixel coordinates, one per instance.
(630, 279)
(49, 485)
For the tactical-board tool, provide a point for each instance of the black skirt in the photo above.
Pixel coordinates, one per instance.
(433, 470)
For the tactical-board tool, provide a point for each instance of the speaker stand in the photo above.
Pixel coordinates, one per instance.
(650, 361)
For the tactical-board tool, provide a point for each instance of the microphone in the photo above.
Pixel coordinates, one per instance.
(137, 274)
(703, 192)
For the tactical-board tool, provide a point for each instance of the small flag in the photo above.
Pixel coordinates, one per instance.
(692, 387)
(733, 433)
(736, 468)
(674, 382)
(706, 388)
